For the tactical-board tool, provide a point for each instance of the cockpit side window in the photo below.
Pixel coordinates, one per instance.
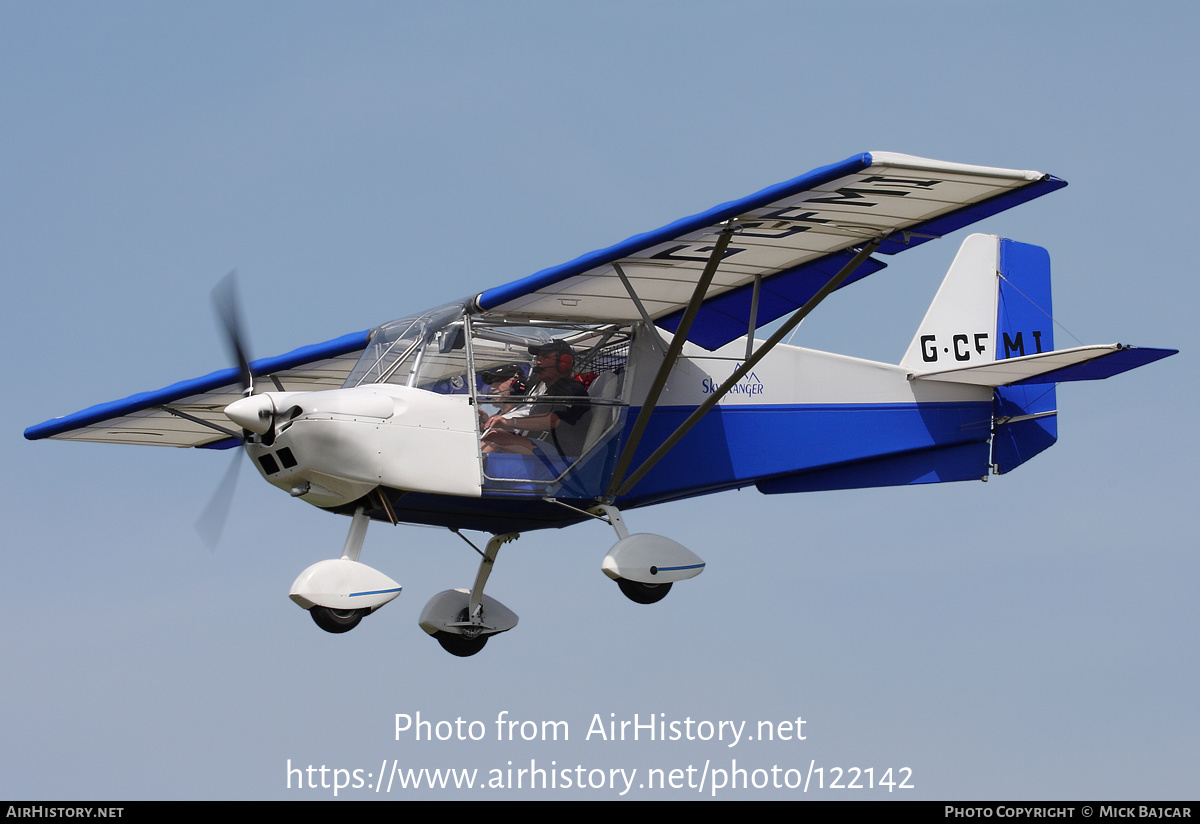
(550, 401)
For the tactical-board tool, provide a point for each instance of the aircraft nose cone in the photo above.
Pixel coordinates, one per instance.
(253, 413)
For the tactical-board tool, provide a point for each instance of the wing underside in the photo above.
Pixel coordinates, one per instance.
(788, 241)
(191, 413)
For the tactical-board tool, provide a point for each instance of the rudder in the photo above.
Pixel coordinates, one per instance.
(1026, 419)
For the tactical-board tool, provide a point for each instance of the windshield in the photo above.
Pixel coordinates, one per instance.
(397, 354)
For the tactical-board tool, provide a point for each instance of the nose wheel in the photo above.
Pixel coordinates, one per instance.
(463, 620)
(459, 646)
(471, 641)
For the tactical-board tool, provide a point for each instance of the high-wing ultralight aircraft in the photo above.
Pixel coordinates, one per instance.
(631, 376)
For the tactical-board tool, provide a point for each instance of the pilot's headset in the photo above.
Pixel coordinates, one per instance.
(566, 355)
(504, 373)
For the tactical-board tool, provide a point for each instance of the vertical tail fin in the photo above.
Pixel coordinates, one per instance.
(993, 304)
(959, 328)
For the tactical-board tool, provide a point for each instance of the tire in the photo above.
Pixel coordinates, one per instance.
(459, 645)
(336, 620)
(641, 593)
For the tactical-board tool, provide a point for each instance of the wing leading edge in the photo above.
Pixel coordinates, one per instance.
(190, 413)
(791, 238)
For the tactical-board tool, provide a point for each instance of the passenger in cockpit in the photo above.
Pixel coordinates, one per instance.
(506, 380)
(556, 421)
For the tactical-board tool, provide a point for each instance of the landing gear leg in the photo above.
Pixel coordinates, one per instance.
(357, 534)
(475, 606)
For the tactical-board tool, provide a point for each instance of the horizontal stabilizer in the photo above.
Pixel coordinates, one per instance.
(1081, 363)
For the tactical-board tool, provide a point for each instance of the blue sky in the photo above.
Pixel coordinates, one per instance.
(1032, 637)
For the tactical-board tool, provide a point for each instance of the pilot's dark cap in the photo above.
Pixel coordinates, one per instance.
(501, 373)
(558, 347)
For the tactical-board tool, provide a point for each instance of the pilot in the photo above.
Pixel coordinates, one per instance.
(557, 421)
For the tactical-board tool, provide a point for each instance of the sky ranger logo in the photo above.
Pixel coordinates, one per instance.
(748, 385)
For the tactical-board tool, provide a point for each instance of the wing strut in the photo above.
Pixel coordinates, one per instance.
(181, 414)
(753, 314)
(646, 319)
(625, 486)
(672, 355)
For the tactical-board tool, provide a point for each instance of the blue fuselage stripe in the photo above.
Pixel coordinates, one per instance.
(375, 592)
(743, 444)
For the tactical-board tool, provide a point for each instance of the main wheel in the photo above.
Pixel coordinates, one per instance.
(641, 593)
(460, 645)
(336, 620)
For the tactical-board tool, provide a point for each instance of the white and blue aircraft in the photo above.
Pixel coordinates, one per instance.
(631, 376)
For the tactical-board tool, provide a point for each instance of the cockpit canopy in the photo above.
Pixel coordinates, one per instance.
(437, 349)
(448, 351)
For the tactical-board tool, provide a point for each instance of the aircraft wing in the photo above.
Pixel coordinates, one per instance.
(190, 413)
(793, 237)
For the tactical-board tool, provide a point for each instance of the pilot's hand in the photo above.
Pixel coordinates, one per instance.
(497, 422)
